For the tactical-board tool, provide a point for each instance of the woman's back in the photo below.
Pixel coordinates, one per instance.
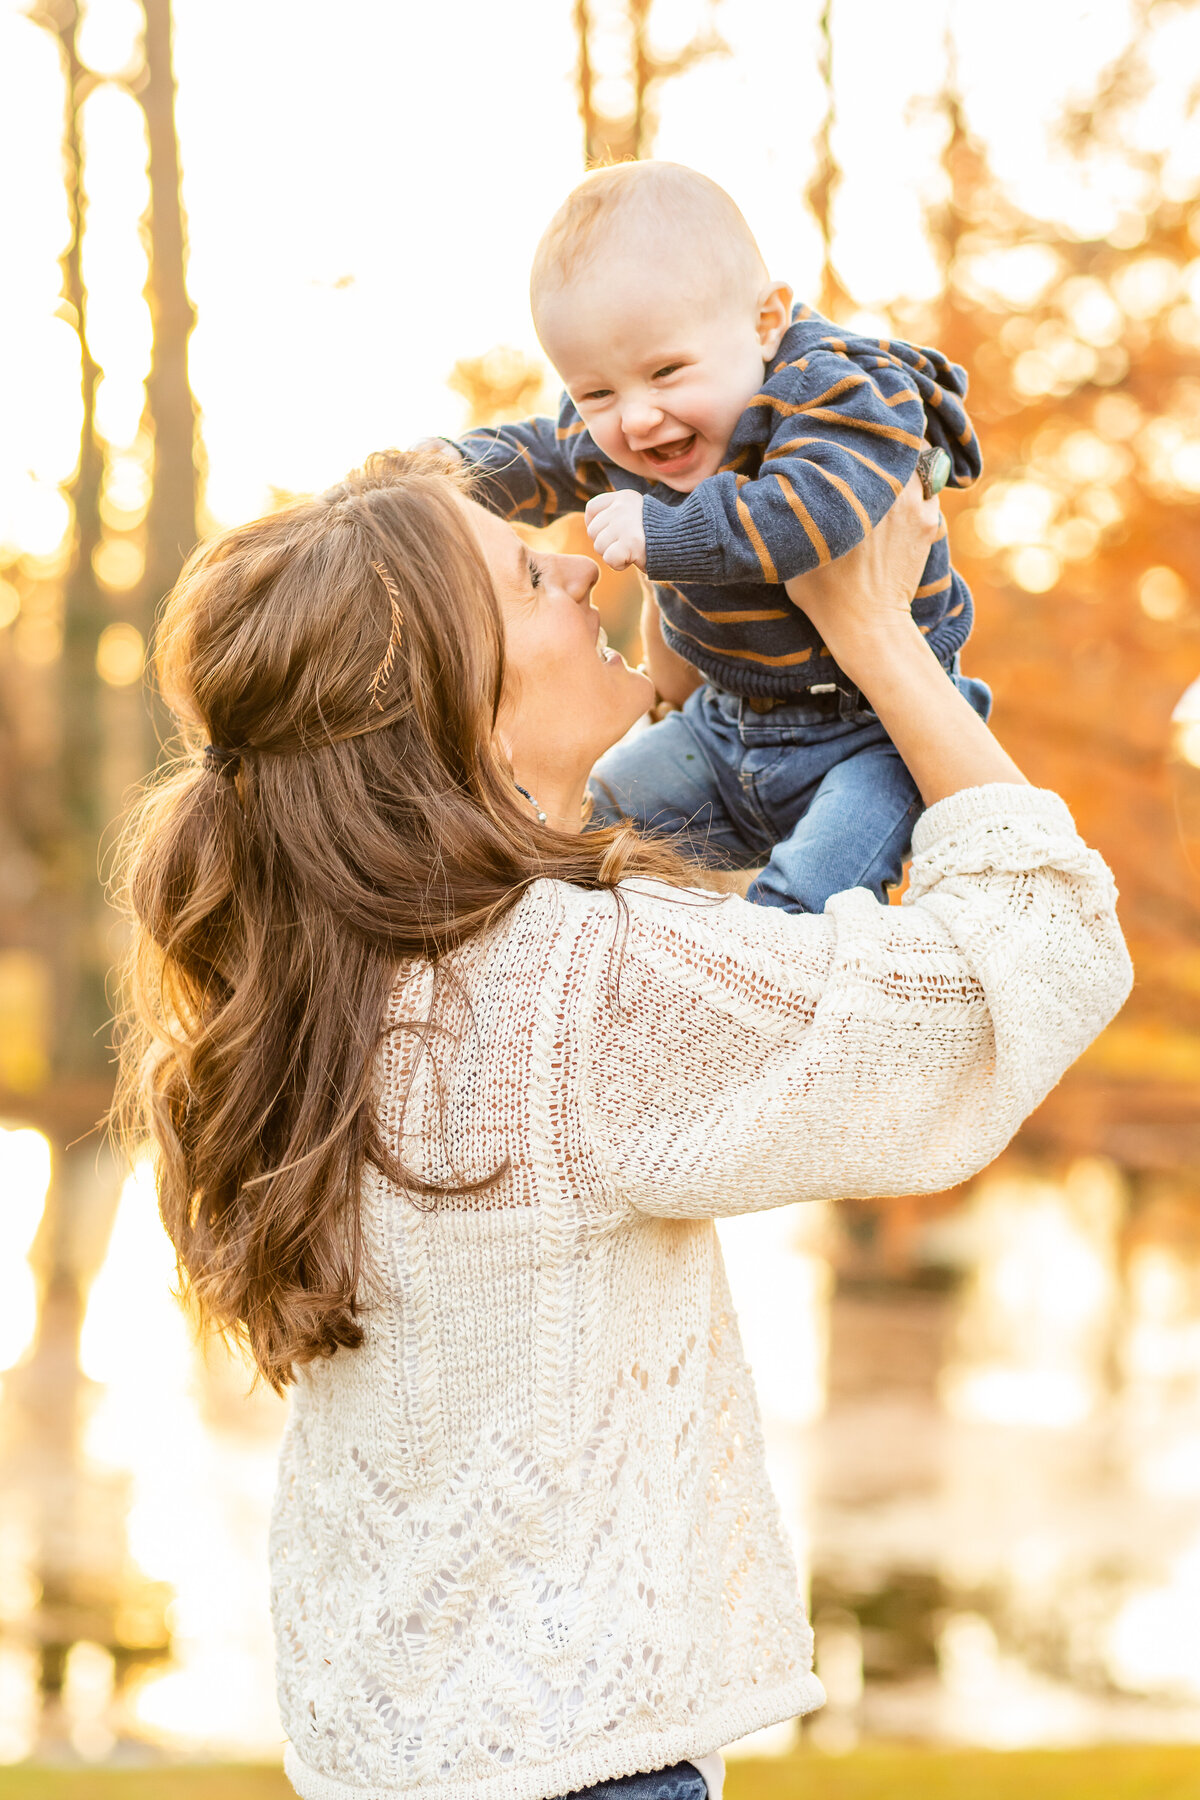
(531, 1510)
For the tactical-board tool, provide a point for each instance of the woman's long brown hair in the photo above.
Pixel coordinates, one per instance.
(345, 659)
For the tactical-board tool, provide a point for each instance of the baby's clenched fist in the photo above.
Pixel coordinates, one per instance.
(614, 523)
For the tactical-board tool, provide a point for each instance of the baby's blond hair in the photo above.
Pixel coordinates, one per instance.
(676, 206)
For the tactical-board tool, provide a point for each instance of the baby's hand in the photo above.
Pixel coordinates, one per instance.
(439, 446)
(614, 523)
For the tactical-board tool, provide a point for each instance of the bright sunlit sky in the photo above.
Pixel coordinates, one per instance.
(365, 184)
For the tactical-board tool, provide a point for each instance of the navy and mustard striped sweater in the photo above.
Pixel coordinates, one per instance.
(815, 461)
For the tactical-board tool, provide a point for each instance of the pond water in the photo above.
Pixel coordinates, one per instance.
(990, 1470)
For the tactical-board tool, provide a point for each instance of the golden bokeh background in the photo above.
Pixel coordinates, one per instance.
(246, 244)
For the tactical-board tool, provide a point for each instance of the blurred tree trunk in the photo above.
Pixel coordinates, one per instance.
(69, 845)
(171, 527)
(71, 926)
(79, 1565)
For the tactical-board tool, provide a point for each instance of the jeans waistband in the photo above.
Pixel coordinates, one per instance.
(824, 691)
(826, 701)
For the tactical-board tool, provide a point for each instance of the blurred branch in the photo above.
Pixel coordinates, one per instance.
(611, 138)
(827, 177)
(1125, 81)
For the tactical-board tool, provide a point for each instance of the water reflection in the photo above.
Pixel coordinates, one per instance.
(24, 1179)
(198, 1453)
(1035, 1326)
(990, 1478)
(1009, 1517)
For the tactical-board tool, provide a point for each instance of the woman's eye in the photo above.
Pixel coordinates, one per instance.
(535, 575)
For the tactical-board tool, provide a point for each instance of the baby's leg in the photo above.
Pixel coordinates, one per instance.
(857, 829)
(856, 833)
(668, 779)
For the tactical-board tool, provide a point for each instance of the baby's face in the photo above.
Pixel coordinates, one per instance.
(659, 375)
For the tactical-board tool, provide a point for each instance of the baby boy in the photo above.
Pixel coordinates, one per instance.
(727, 444)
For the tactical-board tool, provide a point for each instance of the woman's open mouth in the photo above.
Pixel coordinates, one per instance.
(672, 456)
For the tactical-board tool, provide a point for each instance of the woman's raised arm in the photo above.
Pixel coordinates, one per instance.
(745, 1056)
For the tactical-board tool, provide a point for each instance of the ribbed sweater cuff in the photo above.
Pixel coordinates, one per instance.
(681, 541)
(990, 805)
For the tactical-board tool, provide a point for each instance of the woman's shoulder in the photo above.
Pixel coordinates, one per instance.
(648, 944)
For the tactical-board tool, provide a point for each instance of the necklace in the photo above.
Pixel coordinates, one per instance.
(541, 817)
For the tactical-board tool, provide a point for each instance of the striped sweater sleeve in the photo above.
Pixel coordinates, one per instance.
(839, 444)
(530, 472)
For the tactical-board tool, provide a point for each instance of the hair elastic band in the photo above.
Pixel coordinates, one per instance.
(224, 761)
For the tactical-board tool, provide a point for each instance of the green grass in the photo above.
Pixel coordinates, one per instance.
(216, 1781)
(1110, 1773)
(1120, 1773)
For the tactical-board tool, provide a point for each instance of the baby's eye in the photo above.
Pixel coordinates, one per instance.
(597, 394)
(661, 374)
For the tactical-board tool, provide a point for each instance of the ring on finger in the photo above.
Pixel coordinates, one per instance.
(933, 468)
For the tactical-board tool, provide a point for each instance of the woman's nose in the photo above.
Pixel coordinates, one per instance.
(581, 577)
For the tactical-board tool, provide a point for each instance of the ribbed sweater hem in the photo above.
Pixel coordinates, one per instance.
(680, 540)
(745, 680)
(645, 1751)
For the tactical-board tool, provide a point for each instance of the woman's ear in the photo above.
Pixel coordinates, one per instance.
(774, 316)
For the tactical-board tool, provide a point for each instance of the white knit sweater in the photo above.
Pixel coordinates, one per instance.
(523, 1539)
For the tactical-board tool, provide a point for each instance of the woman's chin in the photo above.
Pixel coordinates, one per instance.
(626, 696)
(637, 698)
(642, 693)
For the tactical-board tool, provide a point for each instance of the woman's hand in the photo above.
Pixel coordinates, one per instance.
(862, 606)
(866, 595)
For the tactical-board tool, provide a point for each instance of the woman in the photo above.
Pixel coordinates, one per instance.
(447, 1096)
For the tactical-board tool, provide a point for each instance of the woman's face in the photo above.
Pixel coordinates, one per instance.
(567, 697)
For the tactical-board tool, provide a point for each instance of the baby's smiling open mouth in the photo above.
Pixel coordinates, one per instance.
(677, 451)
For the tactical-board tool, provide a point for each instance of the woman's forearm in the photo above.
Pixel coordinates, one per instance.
(943, 741)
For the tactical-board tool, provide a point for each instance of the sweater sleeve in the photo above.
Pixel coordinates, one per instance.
(743, 1057)
(532, 471)
(840, 445)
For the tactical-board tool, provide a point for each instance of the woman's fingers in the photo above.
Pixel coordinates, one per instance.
(876, 580)
(897, 550)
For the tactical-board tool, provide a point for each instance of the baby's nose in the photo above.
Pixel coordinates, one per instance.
(639, 418)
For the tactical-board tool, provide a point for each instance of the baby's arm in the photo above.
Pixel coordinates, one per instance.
(841, 445)
(524, 471)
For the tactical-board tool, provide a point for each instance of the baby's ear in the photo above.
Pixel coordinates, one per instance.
(774, 316)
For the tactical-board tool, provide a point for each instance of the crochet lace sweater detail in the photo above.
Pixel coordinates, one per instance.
(523, 1539)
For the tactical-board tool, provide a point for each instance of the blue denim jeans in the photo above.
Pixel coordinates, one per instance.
(814, 789)
(682, 1782)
